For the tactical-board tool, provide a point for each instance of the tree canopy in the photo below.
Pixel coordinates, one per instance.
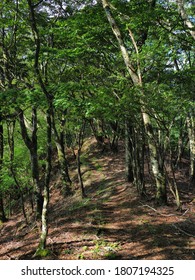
(115, 70)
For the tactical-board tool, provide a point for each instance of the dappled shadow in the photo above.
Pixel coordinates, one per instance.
(111, 223)
(140, 232)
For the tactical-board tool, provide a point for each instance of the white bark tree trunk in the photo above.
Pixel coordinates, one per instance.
(191, 136)
(188, 23)
(137, 81)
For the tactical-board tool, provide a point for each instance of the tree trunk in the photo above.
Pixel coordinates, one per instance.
(80, 144)
(128, 152)
(60, 145)
(138, 158)
(31, 144)
(97, 133)
(2, 212)
(113, 139)
(66, 181)
(191, 136)
(181, 144)
(80, 174)
(134, 157)
(10, 129)
(41, 250)
(184, 16)
(158, 173)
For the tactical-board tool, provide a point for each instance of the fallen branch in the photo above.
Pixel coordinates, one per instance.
(185, 211)
(183, 231)
(165, 215)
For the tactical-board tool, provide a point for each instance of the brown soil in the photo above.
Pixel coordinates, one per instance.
(111, 223)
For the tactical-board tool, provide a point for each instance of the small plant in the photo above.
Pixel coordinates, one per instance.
(151, 228)
(106, 249)
(85, 248)
(98, 167)
(68, 251)
(79, 204)
(42, 253)
(111, 256)
(81, 256)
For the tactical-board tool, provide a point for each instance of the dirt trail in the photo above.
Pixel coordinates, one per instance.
(111, 223)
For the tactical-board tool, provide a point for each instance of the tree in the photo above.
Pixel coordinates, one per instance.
(136, 77)
(2, 212)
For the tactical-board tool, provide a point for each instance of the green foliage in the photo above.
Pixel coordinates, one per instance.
(7, 182)
(43, 253)
(81, 67)
(68, 251)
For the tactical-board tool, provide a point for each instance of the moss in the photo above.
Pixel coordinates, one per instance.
(42, 253)
(111, 256)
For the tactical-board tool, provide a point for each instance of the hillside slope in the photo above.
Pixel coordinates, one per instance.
(111, 223)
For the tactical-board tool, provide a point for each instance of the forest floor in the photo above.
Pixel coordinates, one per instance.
(111, 223)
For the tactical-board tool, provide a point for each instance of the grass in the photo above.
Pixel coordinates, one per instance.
(111, 256)
(81, 256)
(42, 253)
(68, 251)
(106, 249)
(80, 204)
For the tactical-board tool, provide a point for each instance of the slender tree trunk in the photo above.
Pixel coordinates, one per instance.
(97, 133)
(61, 149)
(191, 136)
(60, 145)
(44, 231)
(181, 144)
(135, 157)
(138, 159)
(2, 212)
(128, 152)
(115, 136)
(80, 174)
(31, 144)
(158, 173)
(157, 169)
(11, 129)
(80, 144)
(172, 183)
(66, 181)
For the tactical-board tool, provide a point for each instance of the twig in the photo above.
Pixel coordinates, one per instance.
(182, 231)
(185, 212)
(165, 215)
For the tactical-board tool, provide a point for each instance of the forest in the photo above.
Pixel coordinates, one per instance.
(97, 129)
